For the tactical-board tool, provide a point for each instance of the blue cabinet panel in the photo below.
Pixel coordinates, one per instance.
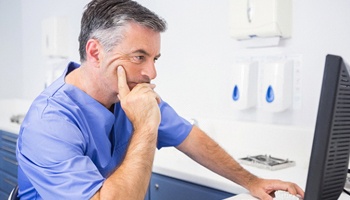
(3, 195)
(163, 187)
(8, 163)
(7, 182)
(9, 141)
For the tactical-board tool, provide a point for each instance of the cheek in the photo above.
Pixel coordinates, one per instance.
(129, 78)
(109, 78)
(132, 72)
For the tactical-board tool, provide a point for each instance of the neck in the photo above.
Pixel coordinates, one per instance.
(83, 79)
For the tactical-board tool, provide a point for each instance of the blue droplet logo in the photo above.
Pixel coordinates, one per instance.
(235, 93)
(270, 95)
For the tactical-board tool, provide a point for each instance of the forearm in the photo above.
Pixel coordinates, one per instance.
(212, 156)
(131, 179)
(208, 153)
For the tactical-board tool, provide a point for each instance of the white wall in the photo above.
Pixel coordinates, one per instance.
(10, 49)
(194, 73)
(197, 53)
(197, 56)
(34, 63)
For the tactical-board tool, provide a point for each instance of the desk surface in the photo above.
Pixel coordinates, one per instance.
(175, 164)
(171, 162)
(343, 196)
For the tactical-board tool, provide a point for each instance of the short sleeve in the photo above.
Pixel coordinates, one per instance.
(173, 129)
(52, 159)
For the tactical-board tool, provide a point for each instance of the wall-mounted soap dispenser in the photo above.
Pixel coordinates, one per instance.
(276, 78)
(244, 90)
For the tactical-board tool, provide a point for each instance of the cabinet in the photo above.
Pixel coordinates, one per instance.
(8, 163)
(164, 187)
(161, 187)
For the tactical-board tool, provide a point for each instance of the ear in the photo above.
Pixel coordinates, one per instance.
(93, 51)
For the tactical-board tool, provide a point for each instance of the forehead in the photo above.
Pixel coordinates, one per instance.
(137, 37)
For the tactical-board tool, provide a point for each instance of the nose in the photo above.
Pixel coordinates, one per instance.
(149, 71)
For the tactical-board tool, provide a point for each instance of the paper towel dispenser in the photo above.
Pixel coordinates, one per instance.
(55, 37)
(260, 18)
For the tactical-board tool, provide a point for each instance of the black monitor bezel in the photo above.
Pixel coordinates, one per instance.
(335, 72)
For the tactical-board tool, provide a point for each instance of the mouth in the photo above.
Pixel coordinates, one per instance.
(133, 84)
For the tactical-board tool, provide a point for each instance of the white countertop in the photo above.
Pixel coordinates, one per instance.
(8, 126)
(241, 139)
(343, 196)
(171, 162)
(10, 107)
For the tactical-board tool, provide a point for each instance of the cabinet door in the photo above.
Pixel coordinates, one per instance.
(8, 163)
(8, 153)
(163, 187)
(7, 183)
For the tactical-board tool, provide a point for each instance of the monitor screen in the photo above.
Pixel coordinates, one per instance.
(331, 144)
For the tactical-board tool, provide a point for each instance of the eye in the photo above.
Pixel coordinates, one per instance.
(138, 59)
(156, 58)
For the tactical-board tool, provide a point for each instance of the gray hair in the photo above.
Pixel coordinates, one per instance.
(104, 20)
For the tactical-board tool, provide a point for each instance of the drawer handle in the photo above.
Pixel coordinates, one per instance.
(10, 139)
(10, 182)
(10, 161)
(13, 151)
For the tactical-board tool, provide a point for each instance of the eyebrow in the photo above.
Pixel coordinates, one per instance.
(142, 51)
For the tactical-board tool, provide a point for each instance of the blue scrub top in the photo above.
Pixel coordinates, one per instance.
(69, 143)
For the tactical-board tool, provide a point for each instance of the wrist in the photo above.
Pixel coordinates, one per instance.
(146, 133)
(250, 182)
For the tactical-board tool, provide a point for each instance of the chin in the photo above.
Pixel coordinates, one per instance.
(132, 85)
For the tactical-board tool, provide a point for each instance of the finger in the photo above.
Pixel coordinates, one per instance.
(295, 189)
(122, 83)
(150, 86)
(157, 95)
(300, 191)
(264, 196)
(158, 99)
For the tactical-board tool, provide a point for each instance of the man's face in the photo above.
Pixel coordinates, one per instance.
(137, 53)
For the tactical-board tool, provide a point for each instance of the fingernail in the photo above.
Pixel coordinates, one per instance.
(120, 68)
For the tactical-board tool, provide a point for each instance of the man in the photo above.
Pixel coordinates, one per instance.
(92, 134)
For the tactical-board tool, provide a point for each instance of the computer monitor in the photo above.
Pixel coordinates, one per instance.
(331, 144)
